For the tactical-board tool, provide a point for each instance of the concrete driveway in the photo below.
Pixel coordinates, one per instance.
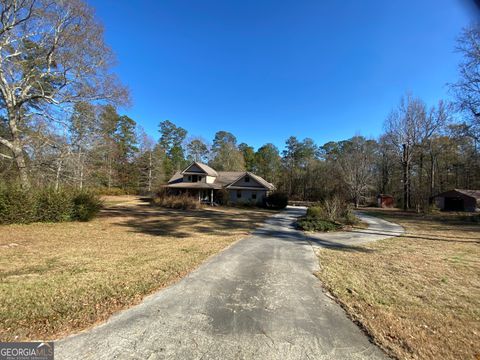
(258, 299)
(378, 229)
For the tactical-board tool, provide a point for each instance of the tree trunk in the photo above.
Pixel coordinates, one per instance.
(409, 184)
(432, 174)
(150, 171)
(17, 148)
(422, 199)
(385, 179)
(59, 170)
(21, 166)
(109, 172)
(80, 175)
(405, 166)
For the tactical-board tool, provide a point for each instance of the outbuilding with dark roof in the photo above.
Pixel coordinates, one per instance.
(458, 200)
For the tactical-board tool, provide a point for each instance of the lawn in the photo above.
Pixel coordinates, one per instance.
(418, 296)
(60, 278)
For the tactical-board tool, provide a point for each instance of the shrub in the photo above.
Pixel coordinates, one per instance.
(349, 218)
(315, 224)
(277, 200)
(222, 197)
(16, 205)
(46, 205)
(329, 215)
(53, 206)
(183, 201)
(334, 208)
(86, 206)
(316, 212)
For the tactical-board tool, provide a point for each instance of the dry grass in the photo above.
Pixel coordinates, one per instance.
(418, 296)
(60, 278)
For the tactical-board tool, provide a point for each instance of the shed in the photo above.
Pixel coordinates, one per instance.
(458, 200)
(385, 201)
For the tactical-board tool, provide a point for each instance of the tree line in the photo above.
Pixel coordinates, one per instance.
(60, 125)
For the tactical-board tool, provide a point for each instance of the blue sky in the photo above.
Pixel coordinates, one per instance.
(268, 69)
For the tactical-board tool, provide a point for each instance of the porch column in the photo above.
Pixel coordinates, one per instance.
(199, 196)
(211, 197)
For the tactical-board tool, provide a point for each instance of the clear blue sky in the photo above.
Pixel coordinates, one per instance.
(268, 69)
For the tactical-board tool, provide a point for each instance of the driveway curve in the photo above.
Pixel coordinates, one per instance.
(258, 299)
(378, 229)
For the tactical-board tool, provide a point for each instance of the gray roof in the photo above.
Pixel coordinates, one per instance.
(227, 177)
(262, 181)
(471, 193)
(207, 169)
(222, 179)
(197, 185)
(177, 177)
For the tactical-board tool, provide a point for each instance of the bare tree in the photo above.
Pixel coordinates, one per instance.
(52, 54)
(402, 131)
(467, 89)
(83, 133)
(356, 162)
(409, 129)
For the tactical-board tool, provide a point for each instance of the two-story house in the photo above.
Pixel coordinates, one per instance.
(201, 180)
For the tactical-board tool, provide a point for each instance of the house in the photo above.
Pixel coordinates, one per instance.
(458, 200)
(241, 187)
(385, 201)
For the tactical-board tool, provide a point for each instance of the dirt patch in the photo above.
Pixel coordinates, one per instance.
(61, 278)
(418, 295)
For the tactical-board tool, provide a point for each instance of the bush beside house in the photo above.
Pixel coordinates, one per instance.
(184, 201)
(276, 200)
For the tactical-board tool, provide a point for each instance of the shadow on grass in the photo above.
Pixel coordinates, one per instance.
(333, 245)
(151, 220)
(421, 237)
(443, 222)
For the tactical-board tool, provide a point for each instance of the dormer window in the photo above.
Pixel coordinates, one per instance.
(247, 178)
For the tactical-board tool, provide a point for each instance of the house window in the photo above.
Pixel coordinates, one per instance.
(254, 195)
(189, 178)
(194, 178)
(239, 194)
(247, 178)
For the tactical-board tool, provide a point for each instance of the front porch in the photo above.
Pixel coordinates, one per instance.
(204, 196)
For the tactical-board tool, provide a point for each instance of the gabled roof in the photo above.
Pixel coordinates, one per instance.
(176, 178)
(262, 181)
(227, 177)
(257, 178)
(206, 169)
(471, 193)
(222, 178)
